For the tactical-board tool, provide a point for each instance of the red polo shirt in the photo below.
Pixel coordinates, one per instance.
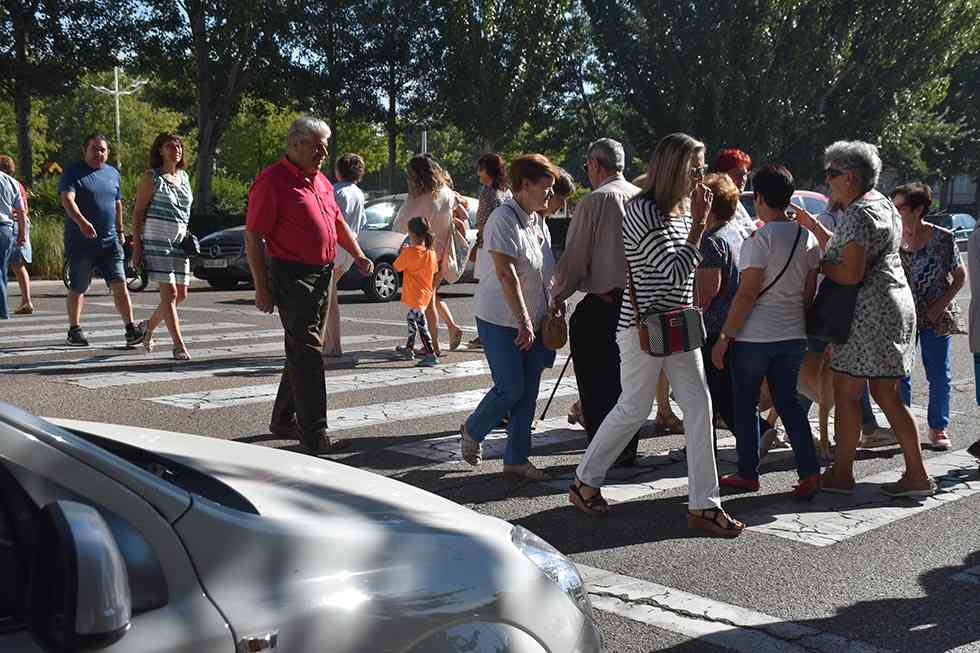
(296, 213)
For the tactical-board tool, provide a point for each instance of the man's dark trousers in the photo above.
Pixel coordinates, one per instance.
(592, 337)
(300, 292)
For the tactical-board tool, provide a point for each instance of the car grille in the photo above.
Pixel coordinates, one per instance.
(221, 250)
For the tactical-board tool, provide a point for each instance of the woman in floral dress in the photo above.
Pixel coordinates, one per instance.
(881, 346)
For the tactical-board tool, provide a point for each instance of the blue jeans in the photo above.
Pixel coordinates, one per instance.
(516, 378)
(867, 414)
(780, 363)
(7, 245)
(936, 354)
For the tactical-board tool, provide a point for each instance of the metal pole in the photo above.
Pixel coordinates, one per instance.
(555, 389)
(425, 141)
(115, 93)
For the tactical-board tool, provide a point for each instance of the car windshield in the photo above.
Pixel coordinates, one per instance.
(380, 215)
(944, 220)
(964, 222)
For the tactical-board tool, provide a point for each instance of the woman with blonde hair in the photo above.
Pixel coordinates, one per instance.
(161, 216)
(431, 196)
(662, 232)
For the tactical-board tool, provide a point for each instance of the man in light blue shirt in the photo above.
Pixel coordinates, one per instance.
(348, 171)
(11, 211)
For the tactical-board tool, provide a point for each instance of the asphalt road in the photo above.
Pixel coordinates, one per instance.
(862, 574)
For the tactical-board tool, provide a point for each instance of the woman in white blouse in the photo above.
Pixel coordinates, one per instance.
(510, 307)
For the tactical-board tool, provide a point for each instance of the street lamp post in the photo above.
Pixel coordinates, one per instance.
(115, 92)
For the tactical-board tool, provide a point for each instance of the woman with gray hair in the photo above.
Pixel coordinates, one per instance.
(880, 348)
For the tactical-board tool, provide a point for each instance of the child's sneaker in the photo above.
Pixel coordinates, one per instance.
(405, 352)
(76, 338)
(431, 360)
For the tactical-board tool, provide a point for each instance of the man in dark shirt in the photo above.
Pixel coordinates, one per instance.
(90, 195)
(292, 212)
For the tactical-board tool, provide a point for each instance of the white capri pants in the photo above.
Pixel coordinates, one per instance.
(639, 372)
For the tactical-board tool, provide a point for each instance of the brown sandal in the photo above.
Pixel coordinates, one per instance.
(668, 425)
(594, 506)
(708, 523)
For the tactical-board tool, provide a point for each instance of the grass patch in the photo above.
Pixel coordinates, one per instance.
(47, 246)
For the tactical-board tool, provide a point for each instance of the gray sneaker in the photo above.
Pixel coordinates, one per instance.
(431, 360)
(405, 352)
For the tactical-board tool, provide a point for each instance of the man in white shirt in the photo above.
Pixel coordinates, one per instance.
(348, 171)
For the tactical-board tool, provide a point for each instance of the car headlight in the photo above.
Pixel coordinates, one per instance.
(554, 565)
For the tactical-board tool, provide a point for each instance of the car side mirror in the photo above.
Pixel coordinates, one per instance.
(80, 598)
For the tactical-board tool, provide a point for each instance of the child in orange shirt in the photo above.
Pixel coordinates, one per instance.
(418, 265)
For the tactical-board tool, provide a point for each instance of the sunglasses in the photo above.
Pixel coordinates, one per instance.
(698, 172)
(832, 173)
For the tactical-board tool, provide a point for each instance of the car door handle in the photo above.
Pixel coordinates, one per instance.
(256, 643)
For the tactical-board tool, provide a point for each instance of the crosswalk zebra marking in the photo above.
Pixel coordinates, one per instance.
(415, 409)
(720, 624)
(835, 518)
(266, 392)
(164, 354)
(99, 335)
(30, 321)
(210, 337)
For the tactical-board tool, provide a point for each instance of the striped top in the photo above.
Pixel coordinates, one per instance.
(660, 259)
(171, 202)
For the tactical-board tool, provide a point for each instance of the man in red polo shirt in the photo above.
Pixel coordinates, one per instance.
(292, 212)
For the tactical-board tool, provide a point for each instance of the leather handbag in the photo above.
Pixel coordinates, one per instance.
(191, 245)
(830, 315)
(670, 332)
(554, 331)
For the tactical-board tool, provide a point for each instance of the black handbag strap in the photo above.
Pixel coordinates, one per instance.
(799, 232)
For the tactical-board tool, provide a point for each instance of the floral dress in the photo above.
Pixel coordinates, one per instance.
(882, 339)
(929, 271)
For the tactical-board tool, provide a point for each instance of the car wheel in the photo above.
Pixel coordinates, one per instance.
(223, 284)
(383, 284)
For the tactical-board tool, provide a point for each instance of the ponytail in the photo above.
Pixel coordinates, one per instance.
(419, 227)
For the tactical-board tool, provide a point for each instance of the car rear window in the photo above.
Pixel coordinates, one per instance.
(380, 215)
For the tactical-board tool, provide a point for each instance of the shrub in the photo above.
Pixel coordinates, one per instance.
(228, 195)
(47, 245)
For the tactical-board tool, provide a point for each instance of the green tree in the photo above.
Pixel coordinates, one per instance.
(38, 136)
(255, 138)
(82, 110)
(46, 45)
(399, 40)
(499, 58)
(783, 77)
(232, 48)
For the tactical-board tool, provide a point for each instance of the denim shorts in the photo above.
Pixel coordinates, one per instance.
(108, 261)
(22, 253)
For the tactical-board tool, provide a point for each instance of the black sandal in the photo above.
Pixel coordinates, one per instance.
(594, 506)
(707, 522)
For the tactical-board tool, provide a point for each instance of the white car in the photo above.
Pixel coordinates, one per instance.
(125, 539)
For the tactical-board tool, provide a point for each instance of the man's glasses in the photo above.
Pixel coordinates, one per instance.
(832, 173)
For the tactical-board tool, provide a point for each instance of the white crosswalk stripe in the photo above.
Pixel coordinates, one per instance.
(375, 381)
(99, 335)
(103, 360)
(23, 352)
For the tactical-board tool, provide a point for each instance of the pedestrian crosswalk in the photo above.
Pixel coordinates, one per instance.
(229, 356)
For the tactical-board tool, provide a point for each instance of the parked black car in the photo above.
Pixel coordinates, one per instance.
(223, 263)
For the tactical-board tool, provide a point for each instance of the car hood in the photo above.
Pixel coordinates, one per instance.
(286, 485)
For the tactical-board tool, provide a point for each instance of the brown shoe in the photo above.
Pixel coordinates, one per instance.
(289, 430)
(24, 309)
(322, 443)
(527, 471)
(714, 522)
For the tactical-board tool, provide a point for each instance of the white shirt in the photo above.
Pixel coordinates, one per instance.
(733, 235)
(779, 314)
(511, 231)
(350, 199)
(10, 199)
(742, 221)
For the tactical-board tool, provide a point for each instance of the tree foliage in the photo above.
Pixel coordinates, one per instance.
(42, 52)
(783, 77)
(232, 48)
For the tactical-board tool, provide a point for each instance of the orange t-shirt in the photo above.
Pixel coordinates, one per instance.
(418, 266)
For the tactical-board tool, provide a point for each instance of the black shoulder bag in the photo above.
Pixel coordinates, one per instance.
(832, 312)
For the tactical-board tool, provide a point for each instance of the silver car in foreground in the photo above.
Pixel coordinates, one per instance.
(125, 539)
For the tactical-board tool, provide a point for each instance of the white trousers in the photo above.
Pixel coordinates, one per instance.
(639, 373)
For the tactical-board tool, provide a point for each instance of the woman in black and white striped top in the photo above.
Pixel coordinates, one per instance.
(661, 235)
